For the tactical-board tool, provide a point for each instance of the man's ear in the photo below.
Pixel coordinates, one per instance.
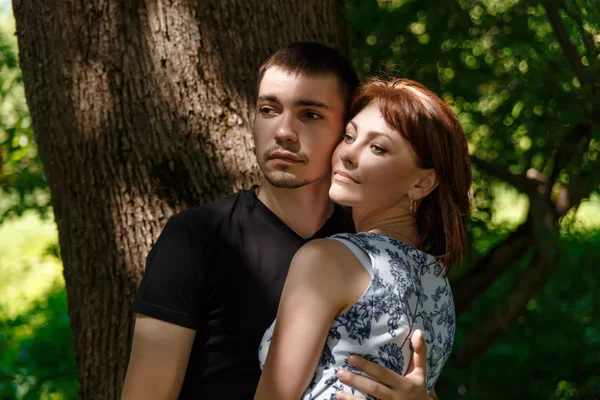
(426, 183)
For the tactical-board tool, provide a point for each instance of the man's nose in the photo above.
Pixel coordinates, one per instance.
(286, 131)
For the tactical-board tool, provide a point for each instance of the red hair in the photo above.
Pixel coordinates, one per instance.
(439, 143)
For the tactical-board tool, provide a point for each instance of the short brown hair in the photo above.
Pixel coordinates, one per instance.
(313, 59)
(439, 142)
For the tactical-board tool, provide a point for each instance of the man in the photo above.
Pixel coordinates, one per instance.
(214, 277)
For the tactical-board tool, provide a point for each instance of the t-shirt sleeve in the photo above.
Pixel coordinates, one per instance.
(170, 288)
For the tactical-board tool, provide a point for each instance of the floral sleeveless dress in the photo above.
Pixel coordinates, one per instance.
(407, 292)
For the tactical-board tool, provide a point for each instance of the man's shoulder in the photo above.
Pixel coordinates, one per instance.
(216, 212)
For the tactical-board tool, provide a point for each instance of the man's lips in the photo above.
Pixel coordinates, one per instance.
(343, 177)
(286, 157)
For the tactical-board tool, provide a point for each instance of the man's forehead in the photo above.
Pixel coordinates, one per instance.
(281, 74)
(277, 80)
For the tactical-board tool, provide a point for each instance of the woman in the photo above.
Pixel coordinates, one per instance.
(403, 167)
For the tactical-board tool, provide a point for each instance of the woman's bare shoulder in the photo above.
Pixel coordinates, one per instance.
(331, 263)
(327, 250)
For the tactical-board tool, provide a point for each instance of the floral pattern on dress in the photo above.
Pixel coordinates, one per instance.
(407, 292)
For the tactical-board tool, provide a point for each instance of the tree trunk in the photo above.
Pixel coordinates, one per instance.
(142, 108)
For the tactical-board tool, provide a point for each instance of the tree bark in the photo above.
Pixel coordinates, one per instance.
(142, 108)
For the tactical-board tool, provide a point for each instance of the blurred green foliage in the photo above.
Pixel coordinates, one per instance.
(22, 183)
(499, 66)
(552, 352)
(37, 360)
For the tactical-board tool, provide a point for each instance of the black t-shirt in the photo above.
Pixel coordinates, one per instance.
(220, 269)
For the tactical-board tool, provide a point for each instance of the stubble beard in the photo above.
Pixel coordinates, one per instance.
(285, 180)
(282, 177)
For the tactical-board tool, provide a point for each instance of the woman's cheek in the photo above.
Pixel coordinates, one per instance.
(379, 178)
(335, 157)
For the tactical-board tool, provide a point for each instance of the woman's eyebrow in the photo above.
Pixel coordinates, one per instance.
(370, 133)
(377, 133)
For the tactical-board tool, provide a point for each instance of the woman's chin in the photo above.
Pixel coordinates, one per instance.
(340, 196)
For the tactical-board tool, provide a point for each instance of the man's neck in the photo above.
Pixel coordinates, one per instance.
(305, 210)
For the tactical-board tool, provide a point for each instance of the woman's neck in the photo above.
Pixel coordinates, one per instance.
(396, 222)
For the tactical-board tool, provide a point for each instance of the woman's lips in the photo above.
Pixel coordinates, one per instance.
(343, 177)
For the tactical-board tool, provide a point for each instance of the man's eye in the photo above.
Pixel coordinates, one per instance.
(378, 149)
(313, 115)
(267, 111)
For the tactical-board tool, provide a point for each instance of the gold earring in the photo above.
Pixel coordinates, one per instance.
(412, 206)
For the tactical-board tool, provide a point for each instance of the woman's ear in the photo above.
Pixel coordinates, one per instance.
(426, 183)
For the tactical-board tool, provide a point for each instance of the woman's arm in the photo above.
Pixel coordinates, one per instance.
(324, 279)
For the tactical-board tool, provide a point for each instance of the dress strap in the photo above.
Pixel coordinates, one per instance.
(358, 252)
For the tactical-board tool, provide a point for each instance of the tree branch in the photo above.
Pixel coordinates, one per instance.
(573, 194)
(572, 145)
(575, 15)
(563, 39)
(491, 266)
(518, 181)
(516, 302)
(542, 232)
(543, 218)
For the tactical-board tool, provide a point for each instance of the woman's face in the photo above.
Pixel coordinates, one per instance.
(374, 167)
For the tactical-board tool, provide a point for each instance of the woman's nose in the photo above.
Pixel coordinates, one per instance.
(348, 156)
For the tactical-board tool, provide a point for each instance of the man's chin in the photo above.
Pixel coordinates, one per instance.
(285, 180)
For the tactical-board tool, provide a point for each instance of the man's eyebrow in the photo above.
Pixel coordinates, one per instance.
(300, 103)
(312, 103)
(269, 97)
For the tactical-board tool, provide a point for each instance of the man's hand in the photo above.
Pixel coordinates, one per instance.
(391, 386)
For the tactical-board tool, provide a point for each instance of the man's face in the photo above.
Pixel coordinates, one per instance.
(298, 123)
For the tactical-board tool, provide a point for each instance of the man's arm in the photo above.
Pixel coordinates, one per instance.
(166, 307)
(159, 359)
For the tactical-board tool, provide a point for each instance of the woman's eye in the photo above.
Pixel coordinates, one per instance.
(347, 138)
(378, 149)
